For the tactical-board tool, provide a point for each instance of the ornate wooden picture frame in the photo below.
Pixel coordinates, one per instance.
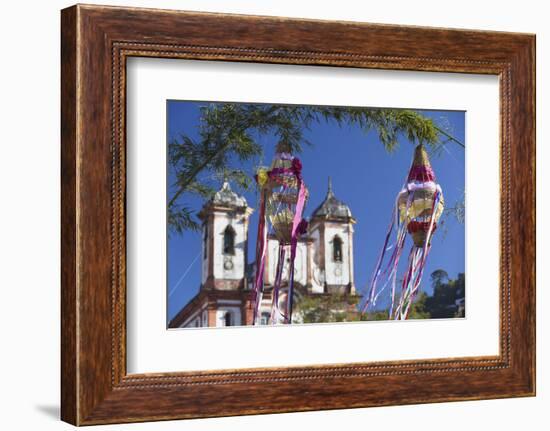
(96, 41)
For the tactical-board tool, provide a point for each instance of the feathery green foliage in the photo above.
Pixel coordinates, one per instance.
(327, 308)
(443, 302)
(229, 131)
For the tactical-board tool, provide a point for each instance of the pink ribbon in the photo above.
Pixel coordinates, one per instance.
(296, 223)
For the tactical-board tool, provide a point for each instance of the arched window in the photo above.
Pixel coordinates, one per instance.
(337, 249)
(264, 320)
(229, 240)
(205, 242)
(227, 320)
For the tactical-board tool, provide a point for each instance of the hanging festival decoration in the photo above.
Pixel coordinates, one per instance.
(283, 195)
(417, 210)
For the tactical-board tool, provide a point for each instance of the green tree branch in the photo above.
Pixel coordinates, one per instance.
(226, 135)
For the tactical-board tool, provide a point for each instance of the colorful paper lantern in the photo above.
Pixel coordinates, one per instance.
(283, 196)
(417, 211)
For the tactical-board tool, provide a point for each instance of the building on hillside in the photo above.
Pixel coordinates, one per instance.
(323, 265)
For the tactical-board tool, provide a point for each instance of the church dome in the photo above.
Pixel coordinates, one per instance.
(227, 197)
(331, 206)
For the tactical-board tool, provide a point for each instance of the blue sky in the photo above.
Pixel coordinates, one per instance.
(364, 176)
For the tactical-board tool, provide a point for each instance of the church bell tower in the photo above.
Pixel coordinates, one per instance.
(224, 240)
(331, 227)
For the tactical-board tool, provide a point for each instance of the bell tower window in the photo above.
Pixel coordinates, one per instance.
(229, 241)
(227, 320)
(264, 320)
(337, 249)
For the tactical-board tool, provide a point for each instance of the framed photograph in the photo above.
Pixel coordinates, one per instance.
(267, 215)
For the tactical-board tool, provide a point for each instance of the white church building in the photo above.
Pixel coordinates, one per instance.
(323, 265)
